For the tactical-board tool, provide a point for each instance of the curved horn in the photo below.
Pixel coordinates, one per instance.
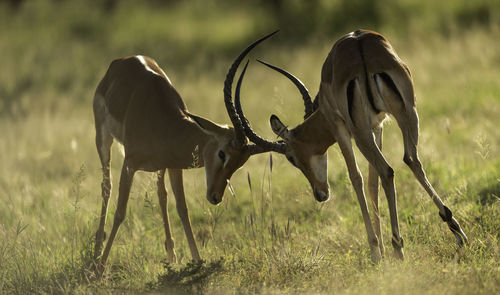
(308, 104)
(262, 144)
(228, 100)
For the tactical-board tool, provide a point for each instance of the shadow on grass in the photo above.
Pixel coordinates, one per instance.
(490, 194)
(190, 279)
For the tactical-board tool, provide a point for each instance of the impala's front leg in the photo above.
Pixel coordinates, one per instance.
(344, 141)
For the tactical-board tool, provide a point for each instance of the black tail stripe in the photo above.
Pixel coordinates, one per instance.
(350, 96)
(367, 82)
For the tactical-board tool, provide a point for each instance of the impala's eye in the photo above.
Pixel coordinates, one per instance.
(222, 156)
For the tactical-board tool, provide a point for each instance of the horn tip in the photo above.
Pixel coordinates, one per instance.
(265, 63)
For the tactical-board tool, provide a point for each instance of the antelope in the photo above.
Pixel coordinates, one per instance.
(136, 104)
(362, 81)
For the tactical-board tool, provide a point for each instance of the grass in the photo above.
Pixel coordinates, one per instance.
(271, 236)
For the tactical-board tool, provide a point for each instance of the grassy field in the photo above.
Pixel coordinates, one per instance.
(271, 237)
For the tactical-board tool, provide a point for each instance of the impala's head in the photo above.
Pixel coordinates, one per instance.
(222, 156)
(229, 149)
(309, 156)
(300, 144)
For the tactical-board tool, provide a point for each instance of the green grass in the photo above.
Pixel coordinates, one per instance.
(272, 236)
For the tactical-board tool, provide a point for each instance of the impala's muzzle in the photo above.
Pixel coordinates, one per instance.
(321, 196)
(214, 199)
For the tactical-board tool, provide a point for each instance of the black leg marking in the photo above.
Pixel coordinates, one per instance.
(397, 242)
(454, 227)
(448, 215)
(350, 97)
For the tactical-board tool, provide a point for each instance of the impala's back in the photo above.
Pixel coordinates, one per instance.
(135, 74)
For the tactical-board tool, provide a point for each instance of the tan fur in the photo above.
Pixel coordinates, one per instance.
(362, 81)
(136, 104)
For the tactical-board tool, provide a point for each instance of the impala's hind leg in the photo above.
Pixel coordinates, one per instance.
(176, 182)
(162, 196)
(104, 140)
(373, 190)
(406, 115)
(344, 140)
(412, 160)
(365, 140)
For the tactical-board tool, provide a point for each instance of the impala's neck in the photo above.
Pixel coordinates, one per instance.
(315, 130)
(204, 136)
(200, 142)
(178, 144)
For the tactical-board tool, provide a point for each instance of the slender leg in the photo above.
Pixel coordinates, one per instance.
(180, 201)
(373, 190)
(162, 196)
(369, 149)
(364, 137)
(344, 141)
(444, 212)
(410, 136)
(121, 209)
(406, 115)
(104, 140)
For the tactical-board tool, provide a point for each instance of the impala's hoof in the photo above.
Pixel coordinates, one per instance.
(169, 247)
(99, 271)
(376, 256)
(375, 251)
(454, 227)
(398, 244)
(399, 253)
(462, 239)
(382, 249)
(96, 270)
(171, 258)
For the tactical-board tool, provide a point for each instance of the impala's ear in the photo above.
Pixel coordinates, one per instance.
(279, 128)
(208, 126)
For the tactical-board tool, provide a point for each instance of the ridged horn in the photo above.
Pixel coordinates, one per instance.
(262, 145)
(308, 104)
(228, 100)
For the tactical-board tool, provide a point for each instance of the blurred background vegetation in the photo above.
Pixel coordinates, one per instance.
(54, 40)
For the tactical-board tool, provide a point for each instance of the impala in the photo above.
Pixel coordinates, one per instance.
(137, 105)
(362, 81)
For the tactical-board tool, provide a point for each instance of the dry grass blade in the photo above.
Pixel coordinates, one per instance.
(231, 189)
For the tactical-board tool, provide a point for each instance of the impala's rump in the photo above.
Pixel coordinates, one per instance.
(360, 62)
(121, 90)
